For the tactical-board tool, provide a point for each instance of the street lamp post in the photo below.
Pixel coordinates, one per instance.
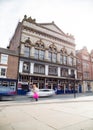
(74, 87)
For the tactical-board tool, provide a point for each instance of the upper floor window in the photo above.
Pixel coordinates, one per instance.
(2, 72)
(64, 72)
(61, 59)
(38, 68)
(39, 50)
(26, 67)
(64, 59)
(86, 75)
(72, 73)
(63, 56)
(27, 51)
(39, 54)
(4, 59)
(54, 57)
(70, 60)
(53, 70)
(52, 54)
(85, 65)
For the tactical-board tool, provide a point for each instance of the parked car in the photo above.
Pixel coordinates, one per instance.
(7, 91)
(43, 93)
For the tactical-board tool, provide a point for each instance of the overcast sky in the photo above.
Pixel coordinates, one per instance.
(71, 16)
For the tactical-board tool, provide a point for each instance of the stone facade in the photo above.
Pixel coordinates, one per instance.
(46, 54)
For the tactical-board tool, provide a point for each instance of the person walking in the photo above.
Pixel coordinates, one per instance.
(35, 91)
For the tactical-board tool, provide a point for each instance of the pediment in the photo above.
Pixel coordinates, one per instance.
(52, 26)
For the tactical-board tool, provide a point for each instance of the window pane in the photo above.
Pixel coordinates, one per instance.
(61, 59)
(3, 71)
(36, 53)
(54, 57)
(53, 70)
(50, 56)
(4, 59)
(38, 68)
(41, 54)
(26, 67)
(65, 59)
(27, 51)
(70, 60)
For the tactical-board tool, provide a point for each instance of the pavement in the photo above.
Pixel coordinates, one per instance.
(23, 99)
(61, 112)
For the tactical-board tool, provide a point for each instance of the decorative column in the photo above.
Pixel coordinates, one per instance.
(32, 51)
(75, 74)
(46, 55)
(46, 69)
(22, 49)
(69, 71)
(58, 57)
(59, 72)
(32, 68)
(20, 66)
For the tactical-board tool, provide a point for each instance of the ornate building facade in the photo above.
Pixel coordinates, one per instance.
(46, 55)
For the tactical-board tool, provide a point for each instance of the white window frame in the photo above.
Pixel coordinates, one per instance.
(2, 59)
(2, 67)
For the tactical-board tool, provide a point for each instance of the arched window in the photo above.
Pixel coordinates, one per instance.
(52, 53)
(71, 59)
(64, 59)
(27, 51)
(27, 48)
(39, 50)
(63, 56)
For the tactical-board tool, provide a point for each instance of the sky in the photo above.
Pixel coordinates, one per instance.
(71, 16)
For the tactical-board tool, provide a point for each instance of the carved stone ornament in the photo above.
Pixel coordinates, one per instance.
(29, 19)
(63, 50)
(28, 42)
(53, 48)
(40, 44)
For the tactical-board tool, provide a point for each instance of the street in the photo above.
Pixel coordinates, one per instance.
(47, 114)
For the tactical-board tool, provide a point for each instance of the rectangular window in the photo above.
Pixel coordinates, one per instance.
(26, 51)
(72, 74)
(64, 72)
(38, 68)
(36, 53)
(70, 61)
(4, 59)
(61, 59)
(65, 60)
(54, 57)
(41, 54)
(85, 65)
(50, 56)
(53, 70)
(26, 67)
(2, 72)
(86, 75)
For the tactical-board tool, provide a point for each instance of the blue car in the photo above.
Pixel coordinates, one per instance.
(7, 91)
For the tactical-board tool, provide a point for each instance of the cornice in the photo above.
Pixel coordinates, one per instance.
(47, 35)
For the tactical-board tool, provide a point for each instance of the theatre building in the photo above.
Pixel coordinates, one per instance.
(46, 55)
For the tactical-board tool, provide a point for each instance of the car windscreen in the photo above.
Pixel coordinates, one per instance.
(45, 90)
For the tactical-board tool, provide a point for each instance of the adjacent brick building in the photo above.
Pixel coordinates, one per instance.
(8, 67)
(85, 69)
